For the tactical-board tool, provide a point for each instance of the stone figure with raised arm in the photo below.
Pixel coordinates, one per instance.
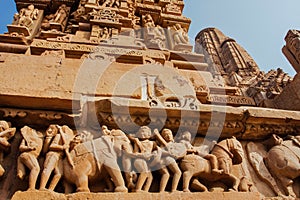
(203, 151)
(180, 35)
(30, 148)
(170, 152)
(61, 14)
(6, 133)
(142, 152)
(57, 141)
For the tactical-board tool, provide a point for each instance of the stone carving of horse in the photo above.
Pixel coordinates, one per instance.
(228, 152)
(283, 161)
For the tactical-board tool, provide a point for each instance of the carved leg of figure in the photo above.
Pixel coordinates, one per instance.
(142, 168)
(49, 165)
(2, 170)
(196, 185)
(141, 180)
(164, 179)
(176, 177)
(21, 171)
(34, 167)
(117, 178)
(126, 162)
(214, 164)
(148, 182)
(187, 175)
(58, 170)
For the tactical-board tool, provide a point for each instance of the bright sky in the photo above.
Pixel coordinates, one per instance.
(258, 25)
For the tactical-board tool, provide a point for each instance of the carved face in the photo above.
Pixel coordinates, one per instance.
(186, 135)
(31, 7)
(51, 131)
(144, 132)
(167, 135)
(3, 125)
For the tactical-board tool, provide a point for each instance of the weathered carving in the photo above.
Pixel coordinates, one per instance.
(154, 34)
(30, 148)
(283, 163)
(169, 153)
(90, 160)
(142, 151)
(58, 20)
(56, 146)
(228, 152)
(26, 16)
(6, 133)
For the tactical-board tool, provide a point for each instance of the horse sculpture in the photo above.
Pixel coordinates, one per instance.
(93, 160)
(228, 152)
(283, 161)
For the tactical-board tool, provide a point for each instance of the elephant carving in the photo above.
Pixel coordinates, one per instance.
(91, 161)
(228, 152)
(282, 160)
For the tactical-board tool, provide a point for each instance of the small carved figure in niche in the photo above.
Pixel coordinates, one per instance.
(203, 151)
(58, 142)
(168, 161)
(105, 34)
(154, 33)
(142, 151)
(80, 14)
(180, 35)
(30, 148)
(6, 133)
(149, 22)
(27, 15)
(61, 14)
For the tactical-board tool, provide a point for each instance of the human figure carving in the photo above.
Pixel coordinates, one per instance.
(152, 28)
(180, 35)
(6, 133)
(203, 151)
(58, 141)
(142, 151)
(30, 148)
(168, 161)
(61, 14)
(228, 152)
(27, 15)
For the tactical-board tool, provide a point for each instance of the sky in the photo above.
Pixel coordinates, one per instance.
(259, 26)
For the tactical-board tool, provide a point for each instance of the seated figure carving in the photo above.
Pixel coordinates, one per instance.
(228, 152)
(203, 151)
(26, 16)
